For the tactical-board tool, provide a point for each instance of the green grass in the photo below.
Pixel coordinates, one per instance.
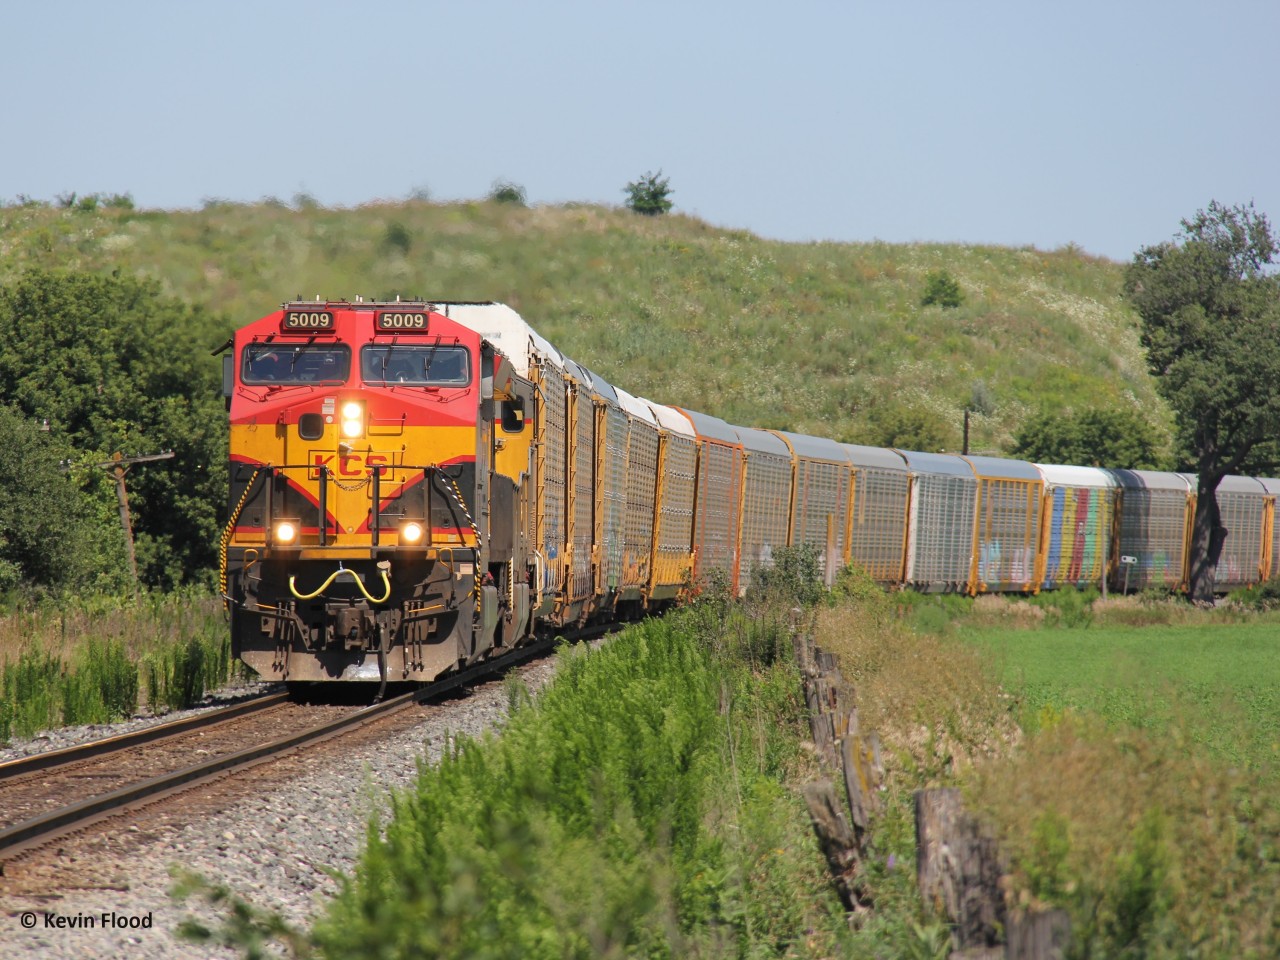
(89, 661)
(1217, 684)
(1139, 793)
(823, 338)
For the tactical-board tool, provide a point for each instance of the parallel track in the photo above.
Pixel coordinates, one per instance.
(33, 833)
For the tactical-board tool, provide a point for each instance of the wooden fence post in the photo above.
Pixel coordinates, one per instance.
(958, 868)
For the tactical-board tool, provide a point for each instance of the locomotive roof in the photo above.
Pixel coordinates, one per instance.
(815, 448)
(1064, 475)
(1004, 469)
(763, 441)
(875, 457)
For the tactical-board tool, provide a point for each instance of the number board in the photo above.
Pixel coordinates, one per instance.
(401, 322)
(307, 320)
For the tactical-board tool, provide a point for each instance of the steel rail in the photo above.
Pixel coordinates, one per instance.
(37, 831)
(124, 741)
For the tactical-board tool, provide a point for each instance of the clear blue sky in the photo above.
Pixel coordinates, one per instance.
(1096, 123)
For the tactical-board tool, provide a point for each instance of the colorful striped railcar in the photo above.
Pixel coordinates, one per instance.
(1078, 516)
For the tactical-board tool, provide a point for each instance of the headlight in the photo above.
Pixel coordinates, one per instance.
(411, 532)
(286, 531)
(352, 419)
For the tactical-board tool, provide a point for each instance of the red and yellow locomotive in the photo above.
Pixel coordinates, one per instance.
(381, 470)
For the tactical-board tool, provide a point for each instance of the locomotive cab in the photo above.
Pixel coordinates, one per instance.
(379, 486)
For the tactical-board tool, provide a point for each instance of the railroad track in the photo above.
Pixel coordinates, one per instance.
(117, 774)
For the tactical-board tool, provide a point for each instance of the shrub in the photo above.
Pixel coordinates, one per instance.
(1262, 596)
(793, 579)
(649, 194)
(894, 424)
(397, 237)
(1067, 606)
(941, 289)
(589, 830)
(504, 191)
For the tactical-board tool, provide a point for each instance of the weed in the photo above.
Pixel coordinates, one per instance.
(942, 289)
(793, 579)
(88, 662)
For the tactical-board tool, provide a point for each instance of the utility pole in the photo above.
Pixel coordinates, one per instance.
(118, 466)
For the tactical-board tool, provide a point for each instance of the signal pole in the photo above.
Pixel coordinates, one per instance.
(118, 466)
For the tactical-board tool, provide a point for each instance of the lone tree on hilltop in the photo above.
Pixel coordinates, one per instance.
(648, 195)
(1210, 312)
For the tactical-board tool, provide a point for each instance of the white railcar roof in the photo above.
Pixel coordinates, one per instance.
(635, 407)
(506, 330)
(672, 420)
(1064, 475)
(1230, 484)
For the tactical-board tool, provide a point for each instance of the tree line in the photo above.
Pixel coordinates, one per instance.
(93, 365)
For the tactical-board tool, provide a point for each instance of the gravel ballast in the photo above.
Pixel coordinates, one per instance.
(273, 847)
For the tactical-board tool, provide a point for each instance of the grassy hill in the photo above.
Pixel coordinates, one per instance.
(822, 338)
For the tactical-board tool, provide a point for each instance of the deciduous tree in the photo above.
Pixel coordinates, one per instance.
(114, 365)
(1098, 436)
(649, 195)
(1210, 312)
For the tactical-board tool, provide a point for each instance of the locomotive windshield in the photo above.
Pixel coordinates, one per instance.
(418, 365)
(276, 363)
